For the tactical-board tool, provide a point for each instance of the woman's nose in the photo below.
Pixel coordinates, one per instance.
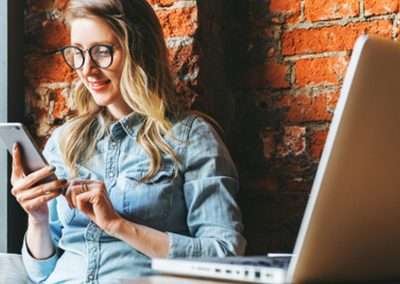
(88, 65)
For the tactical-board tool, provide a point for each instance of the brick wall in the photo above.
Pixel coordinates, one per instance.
(268, 70)
(302, 48)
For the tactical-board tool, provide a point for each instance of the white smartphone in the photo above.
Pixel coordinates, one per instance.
(11, 133)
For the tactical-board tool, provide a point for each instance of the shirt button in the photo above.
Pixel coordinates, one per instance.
(90, 277)
(113, 144)
(111, 175)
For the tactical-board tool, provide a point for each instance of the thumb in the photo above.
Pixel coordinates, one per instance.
(17, 166)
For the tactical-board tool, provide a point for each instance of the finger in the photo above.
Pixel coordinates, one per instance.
(70, 191)
(38, 202)
(95, 184)
(84, 203)
(32, 179)
(76, 182)
(68, 197)
(17, 167)
(55, 186)
(73, 191)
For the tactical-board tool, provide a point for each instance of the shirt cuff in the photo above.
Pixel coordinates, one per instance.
(183, 246)
(37, 269)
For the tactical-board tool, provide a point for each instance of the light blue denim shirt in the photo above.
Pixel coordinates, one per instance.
(197, 209)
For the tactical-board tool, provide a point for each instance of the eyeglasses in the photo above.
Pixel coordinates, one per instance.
(100, 54)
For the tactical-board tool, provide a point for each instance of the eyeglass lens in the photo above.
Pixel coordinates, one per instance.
(100, 54)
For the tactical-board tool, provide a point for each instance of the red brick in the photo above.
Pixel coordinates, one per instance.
(317, 143)
(336, 38)
(329, 70)
(332, 99)
(276, 75)
(288, 7)
(60, 105)
(54, 34)
(272, 74)
(41, 69)
(162, 2)
(294, 142)
(184, 60)
(294, 19)
(307, 107)
(178, 22)
(317, 10)
(379, 7)
(179, 55)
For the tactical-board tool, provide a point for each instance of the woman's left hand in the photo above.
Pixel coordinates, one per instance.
(91, 198)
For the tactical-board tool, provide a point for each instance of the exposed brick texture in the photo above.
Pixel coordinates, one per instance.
(52, 35)
(294, 142)
(178, 22)
(333, 38)
(289, 7)
(318, 71)
(380, 7)
(270, 72)
(317, 10)
(162, 2)
(47, 69)
(317, 141)
(305, 107)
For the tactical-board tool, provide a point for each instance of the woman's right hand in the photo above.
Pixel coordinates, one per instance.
(29, 192)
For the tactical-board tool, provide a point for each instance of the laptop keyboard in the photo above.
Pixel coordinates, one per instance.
(262, 261)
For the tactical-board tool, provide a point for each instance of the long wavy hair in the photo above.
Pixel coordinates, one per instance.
(147, 85)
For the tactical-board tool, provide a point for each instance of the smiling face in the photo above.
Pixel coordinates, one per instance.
(103, 84)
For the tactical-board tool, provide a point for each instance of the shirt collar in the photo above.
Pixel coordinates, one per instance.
(128, 125)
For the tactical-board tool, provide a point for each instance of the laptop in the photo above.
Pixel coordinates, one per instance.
(350, 231)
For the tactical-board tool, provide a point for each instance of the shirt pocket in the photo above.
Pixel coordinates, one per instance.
(87, 173)
(148, 203)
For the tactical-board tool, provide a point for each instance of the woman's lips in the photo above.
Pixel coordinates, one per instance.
(99, 85)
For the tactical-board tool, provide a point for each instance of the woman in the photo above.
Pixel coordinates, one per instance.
(143, 176)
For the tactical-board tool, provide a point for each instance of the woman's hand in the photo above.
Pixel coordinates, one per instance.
(30, 194)
(91, 198)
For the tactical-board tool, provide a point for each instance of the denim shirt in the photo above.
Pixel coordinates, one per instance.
(197, 208)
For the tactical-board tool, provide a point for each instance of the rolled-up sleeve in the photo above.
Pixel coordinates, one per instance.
(39, 270)
(210, 186)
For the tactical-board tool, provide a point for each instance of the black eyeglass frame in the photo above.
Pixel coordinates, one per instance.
(89, 50)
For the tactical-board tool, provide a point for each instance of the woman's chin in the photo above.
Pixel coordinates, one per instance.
(101, 102)
(102, 99)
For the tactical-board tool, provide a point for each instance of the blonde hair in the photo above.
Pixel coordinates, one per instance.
(146, 84)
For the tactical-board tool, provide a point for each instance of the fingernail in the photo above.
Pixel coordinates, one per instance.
(15, 147)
